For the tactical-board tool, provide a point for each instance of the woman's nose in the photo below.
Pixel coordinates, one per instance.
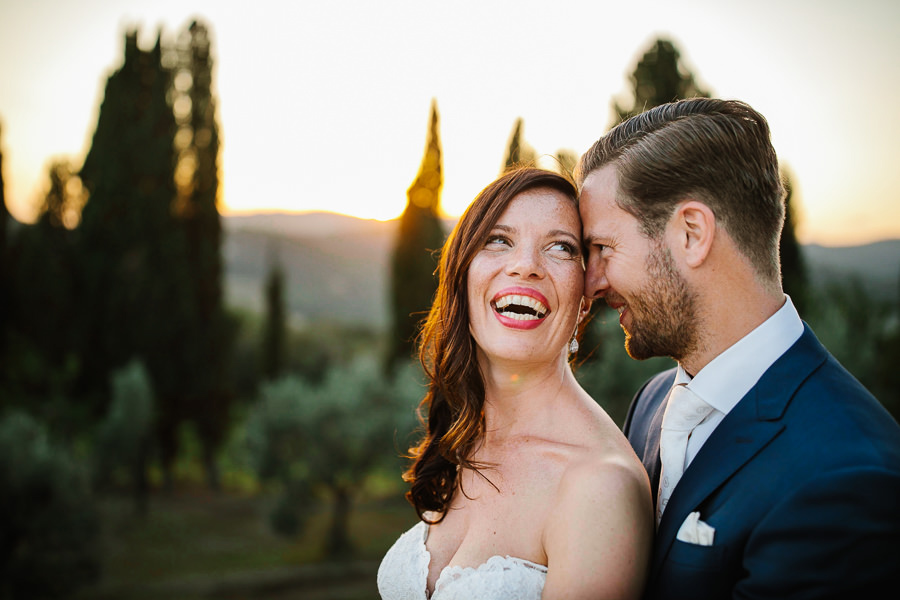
(525, 262)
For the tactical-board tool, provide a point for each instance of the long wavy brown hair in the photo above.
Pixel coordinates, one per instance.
(452, 411)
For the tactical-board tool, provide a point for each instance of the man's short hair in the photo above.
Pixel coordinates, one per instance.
(716, 151)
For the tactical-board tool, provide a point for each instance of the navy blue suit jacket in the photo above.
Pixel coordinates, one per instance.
(801, 482)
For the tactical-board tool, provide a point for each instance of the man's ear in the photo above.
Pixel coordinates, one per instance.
(694, 229)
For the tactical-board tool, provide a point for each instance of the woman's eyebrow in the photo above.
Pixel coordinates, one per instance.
(556, 232)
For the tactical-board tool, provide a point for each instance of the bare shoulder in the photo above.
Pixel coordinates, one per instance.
(606, 469)
(605, 451)
(598, 538)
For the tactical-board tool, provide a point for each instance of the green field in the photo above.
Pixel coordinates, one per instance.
(195, 544)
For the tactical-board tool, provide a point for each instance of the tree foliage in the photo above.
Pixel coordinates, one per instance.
(413, 262)
(151, 236)
(5, 291)
(43, 364)
(65, 199)
(211, 332)
(518, 152)
(132, 248)
(793, 267)
(49, 532)
(658, 78)
(327, 438)
(606, 371)
(275, 327)
(125, 438)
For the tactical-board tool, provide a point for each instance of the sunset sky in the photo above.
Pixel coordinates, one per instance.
(325, 105)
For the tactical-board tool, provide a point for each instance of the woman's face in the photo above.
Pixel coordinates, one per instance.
(526, 284)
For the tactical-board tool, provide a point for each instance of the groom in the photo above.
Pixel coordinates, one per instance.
(791, 469)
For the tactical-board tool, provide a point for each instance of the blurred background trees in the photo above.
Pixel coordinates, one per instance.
(519, 152)
(415, 255)
(326, 439)
(658, 78)
(275, 334)
(124, 372)
(5, 291)
(125, 440)
(795, 279)
(49, 532)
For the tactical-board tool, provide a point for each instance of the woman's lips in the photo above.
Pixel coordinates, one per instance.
(520, 307)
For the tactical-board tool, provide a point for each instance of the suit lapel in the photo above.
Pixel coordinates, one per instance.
(748, 428)
(735, 441)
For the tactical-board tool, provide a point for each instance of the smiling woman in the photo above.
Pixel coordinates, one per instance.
(528, 275)
(516, 455)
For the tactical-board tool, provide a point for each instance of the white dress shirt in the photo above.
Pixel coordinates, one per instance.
(728, 377)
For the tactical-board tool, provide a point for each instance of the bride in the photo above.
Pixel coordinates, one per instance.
(523, 485)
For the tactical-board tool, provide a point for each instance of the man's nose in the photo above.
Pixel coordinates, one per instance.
(595, 282)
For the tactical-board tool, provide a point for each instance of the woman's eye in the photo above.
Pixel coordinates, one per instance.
(496, 240)
(565, 247)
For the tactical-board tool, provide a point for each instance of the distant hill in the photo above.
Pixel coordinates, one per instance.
(337, 266)
(875, 265)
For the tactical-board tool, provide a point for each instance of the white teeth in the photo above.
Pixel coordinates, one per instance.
(621, 309)
(527, 301)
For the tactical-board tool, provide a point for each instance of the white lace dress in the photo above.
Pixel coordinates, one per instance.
(403, 574)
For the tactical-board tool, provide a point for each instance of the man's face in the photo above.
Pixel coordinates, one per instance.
(636, 276)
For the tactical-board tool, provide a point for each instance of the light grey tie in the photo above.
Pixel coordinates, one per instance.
(684, 411)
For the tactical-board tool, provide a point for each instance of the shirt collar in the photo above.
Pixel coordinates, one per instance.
(728, 377)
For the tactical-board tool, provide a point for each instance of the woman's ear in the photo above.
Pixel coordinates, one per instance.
(584, 309)
(694, 229)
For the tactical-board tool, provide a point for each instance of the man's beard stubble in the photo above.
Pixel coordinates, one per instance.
(663, 313)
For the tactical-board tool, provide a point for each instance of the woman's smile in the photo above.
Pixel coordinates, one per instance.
(520, 307)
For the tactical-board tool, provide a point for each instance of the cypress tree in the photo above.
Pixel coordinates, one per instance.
(793, 267)
(5, 289)
(275, 332)
(45, 281)
(198, 201)
(4, 211)
(566, 161)
(518, 153)
(658, 78)
(413, 262)
(134, 277)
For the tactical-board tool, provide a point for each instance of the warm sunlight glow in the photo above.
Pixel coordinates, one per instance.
(326, 108)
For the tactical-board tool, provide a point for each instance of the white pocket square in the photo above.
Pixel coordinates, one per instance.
(695, 531)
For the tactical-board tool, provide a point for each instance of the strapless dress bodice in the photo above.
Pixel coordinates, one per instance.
(403, 574)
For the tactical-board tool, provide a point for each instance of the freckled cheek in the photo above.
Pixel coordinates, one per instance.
(570, 286)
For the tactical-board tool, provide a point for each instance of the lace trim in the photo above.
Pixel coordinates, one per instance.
(494, 564)
(424, 557)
